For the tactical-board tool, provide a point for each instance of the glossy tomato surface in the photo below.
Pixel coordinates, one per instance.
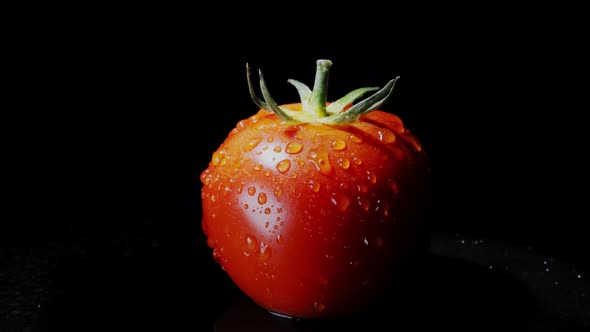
(312, 220)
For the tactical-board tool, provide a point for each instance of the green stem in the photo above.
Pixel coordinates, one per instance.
(319, 94)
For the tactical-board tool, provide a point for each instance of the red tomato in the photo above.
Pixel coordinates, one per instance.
(311, 207)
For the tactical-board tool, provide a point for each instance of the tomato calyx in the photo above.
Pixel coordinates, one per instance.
(315, 108)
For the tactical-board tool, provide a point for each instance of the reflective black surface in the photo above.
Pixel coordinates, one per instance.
(465, 284)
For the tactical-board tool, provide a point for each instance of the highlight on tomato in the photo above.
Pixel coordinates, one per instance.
(313, 208)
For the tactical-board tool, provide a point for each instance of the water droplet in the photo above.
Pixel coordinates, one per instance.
(216, 158)
(217, 255)
(284, 165)
(267, 211)
(277, 149)
(314, 185)
(366, 242)
(266, 224)
(212, 198)
(270, 139)
(340, 201)
(279, 238)
(240, 188)
(252, 144)
(371, 177)
(321, 162)
(362, 188)
(267, 173)
(364, 203)
(356, 139)
(275, 227)
(338, 145)
(246, 206)
(293, 147)
(394, 187)
(211, 243)
(251, 242)
(265, 251)
(357, 161)
(262, 198)
(251, 191)
(258, 167)
(344, 163)
(386, 135)
(278, 191)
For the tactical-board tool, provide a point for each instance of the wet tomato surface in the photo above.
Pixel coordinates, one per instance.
(312, 219)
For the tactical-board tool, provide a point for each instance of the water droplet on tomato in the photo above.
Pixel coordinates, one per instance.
(216, 158)
(366, 242)
(275, 227)
(279, 238)
(240, 188)
(338, 145)
(266, 224)
(356, 139)
(252, 144)
(284, 165)
(394, 186)
(371, 177)
(386, 135)
(251, 191)
(212, 198)
(320, 160)
(210, 242)
(362, 188)
(280, 210)
(358, 161)
(258, 167)
(314, 185)
(267, 211)
(293, 147)
(364, 203)
(270, 139)
(251, 242)
(246, 206)
(278, 191)
(265, 251)
(262, 198)
(340, 201)
(344, 163)
(217, 255)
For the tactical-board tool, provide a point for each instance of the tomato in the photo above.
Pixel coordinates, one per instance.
(312, 207)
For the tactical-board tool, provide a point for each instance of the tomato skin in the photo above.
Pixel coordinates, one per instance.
(312, 220)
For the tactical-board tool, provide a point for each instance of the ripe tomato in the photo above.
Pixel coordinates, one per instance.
(312, 207)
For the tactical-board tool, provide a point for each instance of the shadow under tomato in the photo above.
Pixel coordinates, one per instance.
(445, 293)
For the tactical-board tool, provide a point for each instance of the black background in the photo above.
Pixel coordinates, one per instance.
(111, 113)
